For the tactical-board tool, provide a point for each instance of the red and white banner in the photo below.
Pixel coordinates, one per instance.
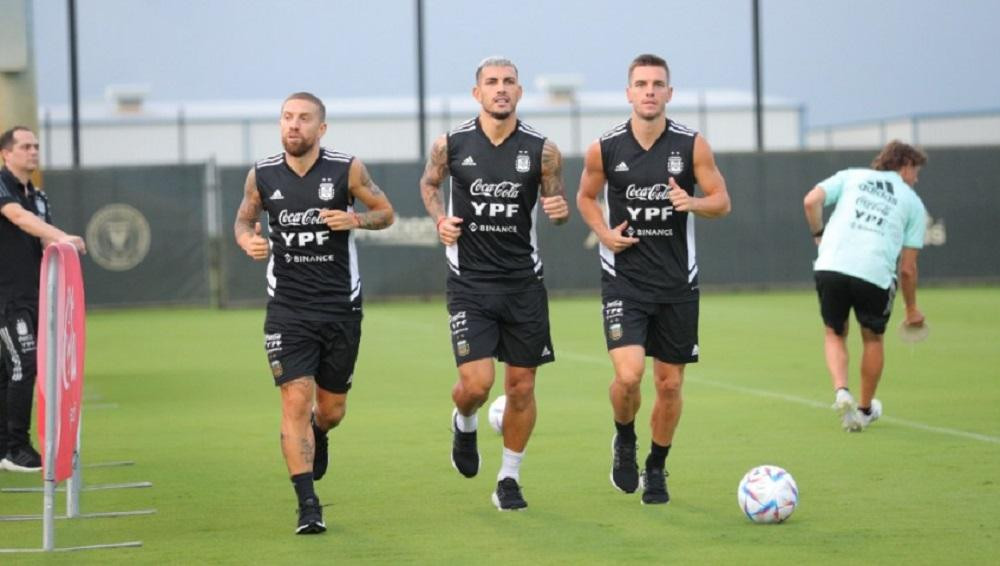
(67, 344)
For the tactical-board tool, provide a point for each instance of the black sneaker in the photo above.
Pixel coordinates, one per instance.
(654, 486)
(24, 459)
(508, 497)
(464, 454)
(321, 457)
(624, 469)
(310, 518)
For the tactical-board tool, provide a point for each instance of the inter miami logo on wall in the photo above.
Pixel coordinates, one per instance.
(523, 163)
(675, 164)
(326, 189)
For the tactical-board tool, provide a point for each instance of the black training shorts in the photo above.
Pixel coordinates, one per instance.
(838, 293)
(512, 327)
(668, 331)
(325, 350)
(18, 342)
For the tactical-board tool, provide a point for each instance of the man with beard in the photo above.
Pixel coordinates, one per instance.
(501, 171)
(313, 326)
(647, 168)
(24, 230)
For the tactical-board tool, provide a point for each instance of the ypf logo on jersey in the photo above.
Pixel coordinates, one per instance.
(326, 189)
(675, 164)
(522, 164)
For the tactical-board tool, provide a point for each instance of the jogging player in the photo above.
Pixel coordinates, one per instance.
(502, 171)
(313, 326)
(876, 227)
(647, 167)
(25, 228)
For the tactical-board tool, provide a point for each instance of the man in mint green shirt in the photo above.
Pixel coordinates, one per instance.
(877, 226)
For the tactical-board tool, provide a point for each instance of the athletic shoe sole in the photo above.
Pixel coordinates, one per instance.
(311, 529)
(6, 464)
(496, 503)
(849, 418)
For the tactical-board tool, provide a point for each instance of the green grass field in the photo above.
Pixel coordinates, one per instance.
(188, 396)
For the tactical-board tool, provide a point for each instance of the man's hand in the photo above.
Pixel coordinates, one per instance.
(615, 241)
(681, 200)
(339, 219)
(914, 317)
(76, 241)
(255, 246)
(556, 208)
(448, 229)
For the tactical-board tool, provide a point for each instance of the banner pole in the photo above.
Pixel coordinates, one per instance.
(75, 482)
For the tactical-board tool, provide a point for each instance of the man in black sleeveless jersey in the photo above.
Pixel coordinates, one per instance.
(313, 325)
(647, 168)
(25, 229)
(501, 171)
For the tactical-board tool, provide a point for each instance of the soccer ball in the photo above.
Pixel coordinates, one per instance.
(767, 494)
(496, 413)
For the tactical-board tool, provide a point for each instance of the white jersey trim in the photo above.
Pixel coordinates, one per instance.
(352, 251)
(529, 130)
(451, 252)
(607, 256)
(464, 127)
(616, 131)
(277, 159)
(535, 257)
(692, 253)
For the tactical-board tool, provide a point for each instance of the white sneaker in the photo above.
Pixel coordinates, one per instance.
(875, 414)
(850, 418)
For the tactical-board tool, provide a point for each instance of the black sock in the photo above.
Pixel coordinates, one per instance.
(303, 486)
(626, 432)
(657, 458)
(866, 410)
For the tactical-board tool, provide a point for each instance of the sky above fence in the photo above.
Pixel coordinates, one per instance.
(844, 60)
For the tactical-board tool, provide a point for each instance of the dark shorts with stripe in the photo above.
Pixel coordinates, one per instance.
(512, 327)
(667, 331)
(839, 293)
(325, 350)
(18, 342)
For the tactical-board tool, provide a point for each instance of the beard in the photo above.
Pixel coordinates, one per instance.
(297, 148)
(501, 115)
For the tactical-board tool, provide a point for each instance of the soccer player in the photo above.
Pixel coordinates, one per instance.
(313, 326)
(501, 171)
(647, 168)
(25, 228)
(876, 227)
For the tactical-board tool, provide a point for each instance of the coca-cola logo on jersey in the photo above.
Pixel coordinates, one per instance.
(503, 189)
(659, 191)
(301, 218)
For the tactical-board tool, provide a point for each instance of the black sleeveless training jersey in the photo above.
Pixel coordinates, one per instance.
(662, 267)
(494, 190)
(312, 273)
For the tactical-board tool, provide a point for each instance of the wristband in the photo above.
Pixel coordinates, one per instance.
(820, 233)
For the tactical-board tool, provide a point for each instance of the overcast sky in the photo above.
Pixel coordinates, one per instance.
(845, 60)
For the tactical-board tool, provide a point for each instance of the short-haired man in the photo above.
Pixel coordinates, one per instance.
(647, 168)
(501, 171)
(25, 228)
(313, 326)
(876, 227)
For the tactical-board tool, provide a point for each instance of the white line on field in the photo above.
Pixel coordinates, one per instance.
(794, 399)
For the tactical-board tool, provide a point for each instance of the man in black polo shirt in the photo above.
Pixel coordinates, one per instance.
(24, 230)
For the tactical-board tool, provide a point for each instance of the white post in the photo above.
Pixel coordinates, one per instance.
(75, 482)
(51, 404)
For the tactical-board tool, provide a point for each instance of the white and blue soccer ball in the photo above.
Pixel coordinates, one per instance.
(768, 494)
(496, 413)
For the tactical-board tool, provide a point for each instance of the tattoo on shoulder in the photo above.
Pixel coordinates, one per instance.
(367, 182)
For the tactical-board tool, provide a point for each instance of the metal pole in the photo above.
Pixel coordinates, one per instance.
(51, 403)
(74, 85)
(421, 94)
(758, 96)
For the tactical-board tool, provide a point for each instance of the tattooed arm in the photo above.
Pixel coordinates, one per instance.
(380, 214)
(553, 192)
(430, 190)
(247, 225)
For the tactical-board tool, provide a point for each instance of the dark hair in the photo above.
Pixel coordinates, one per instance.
(311, 98)
(648, 60)
(896, 155)
(7, 138)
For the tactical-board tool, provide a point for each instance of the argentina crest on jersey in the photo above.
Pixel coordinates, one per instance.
(522, 164)
(326, 189)
(675, 163)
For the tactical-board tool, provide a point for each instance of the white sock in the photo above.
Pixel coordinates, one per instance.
(511, 466)
(467, 424)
